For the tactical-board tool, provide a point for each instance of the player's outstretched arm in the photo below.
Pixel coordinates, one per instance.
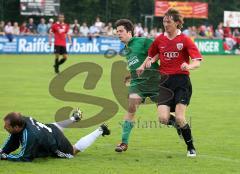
(26, 151)
(50, 38)
(193, 65)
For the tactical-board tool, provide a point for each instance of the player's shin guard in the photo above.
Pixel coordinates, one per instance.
(62, 61)
(187, 136)
(126, 130)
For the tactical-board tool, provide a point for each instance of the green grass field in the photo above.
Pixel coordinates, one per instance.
(214, 112)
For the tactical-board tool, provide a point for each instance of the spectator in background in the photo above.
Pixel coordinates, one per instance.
(160, 31)
(230, 41)
(84, 30)
(23, 29)
(138, 30)
(42, 28)
(49, 25)
(75, 28)
(202, 31)
(154, 32)
(236, 35)
(219, 31)
(99, 24)
(2, 24)
(145, 32)
(227, 31)
(209, 32)
(93, 32)
(194, 32)
(31, 26)
(9, 31)
(103, 30)
(188, 31)
(16, 29)
(109, 29)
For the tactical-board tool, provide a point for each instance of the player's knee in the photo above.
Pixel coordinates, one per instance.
(75, 150)
(180, 120)
(132, 108)
(163, 120)
(65, 56)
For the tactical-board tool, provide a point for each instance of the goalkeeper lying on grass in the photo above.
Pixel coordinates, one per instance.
(42, 140)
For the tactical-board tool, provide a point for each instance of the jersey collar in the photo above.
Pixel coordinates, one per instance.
(129, 42)
(178, 33)
(59, 22)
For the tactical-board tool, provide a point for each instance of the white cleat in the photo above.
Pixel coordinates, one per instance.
(191, 153)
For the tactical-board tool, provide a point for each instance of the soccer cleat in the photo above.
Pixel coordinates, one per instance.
(76, 115)
(105, 130)
(121, 147)
(191, 153)
(56, 68)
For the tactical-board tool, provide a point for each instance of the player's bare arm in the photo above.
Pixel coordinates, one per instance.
(193, 65)
(69, 39)
(50, 36)
(147, 64)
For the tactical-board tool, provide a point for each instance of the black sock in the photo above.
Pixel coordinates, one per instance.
(187, 135)
(56, 61)
(62, 61)
(172, 120)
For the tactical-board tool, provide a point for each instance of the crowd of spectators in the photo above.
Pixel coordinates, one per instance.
(99, 28)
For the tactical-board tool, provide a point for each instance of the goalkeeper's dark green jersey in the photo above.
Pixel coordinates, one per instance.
(36, 140)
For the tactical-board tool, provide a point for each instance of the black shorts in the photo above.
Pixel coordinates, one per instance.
(181, 87)
(60, 50)
(62, 142)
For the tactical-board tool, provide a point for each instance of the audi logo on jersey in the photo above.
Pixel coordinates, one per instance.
(171, 55)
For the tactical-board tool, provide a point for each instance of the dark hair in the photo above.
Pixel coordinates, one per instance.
(176, 16)
(127, 24)
(15, 119)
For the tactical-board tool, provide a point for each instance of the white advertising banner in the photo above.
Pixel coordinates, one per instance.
(232, 19)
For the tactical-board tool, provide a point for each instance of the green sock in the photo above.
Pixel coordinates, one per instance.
(127, 127)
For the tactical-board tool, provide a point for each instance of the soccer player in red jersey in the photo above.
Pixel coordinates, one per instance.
(174, 49)
(60, 31)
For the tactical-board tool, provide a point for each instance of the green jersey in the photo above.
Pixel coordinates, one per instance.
(147, 84)
(136, 52)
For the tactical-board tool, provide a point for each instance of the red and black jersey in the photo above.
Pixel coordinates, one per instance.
(60, 31)
(174, 52)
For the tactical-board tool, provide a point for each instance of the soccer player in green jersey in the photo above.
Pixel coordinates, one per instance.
(145, 85)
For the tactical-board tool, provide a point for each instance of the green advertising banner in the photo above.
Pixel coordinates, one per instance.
(210, 46)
